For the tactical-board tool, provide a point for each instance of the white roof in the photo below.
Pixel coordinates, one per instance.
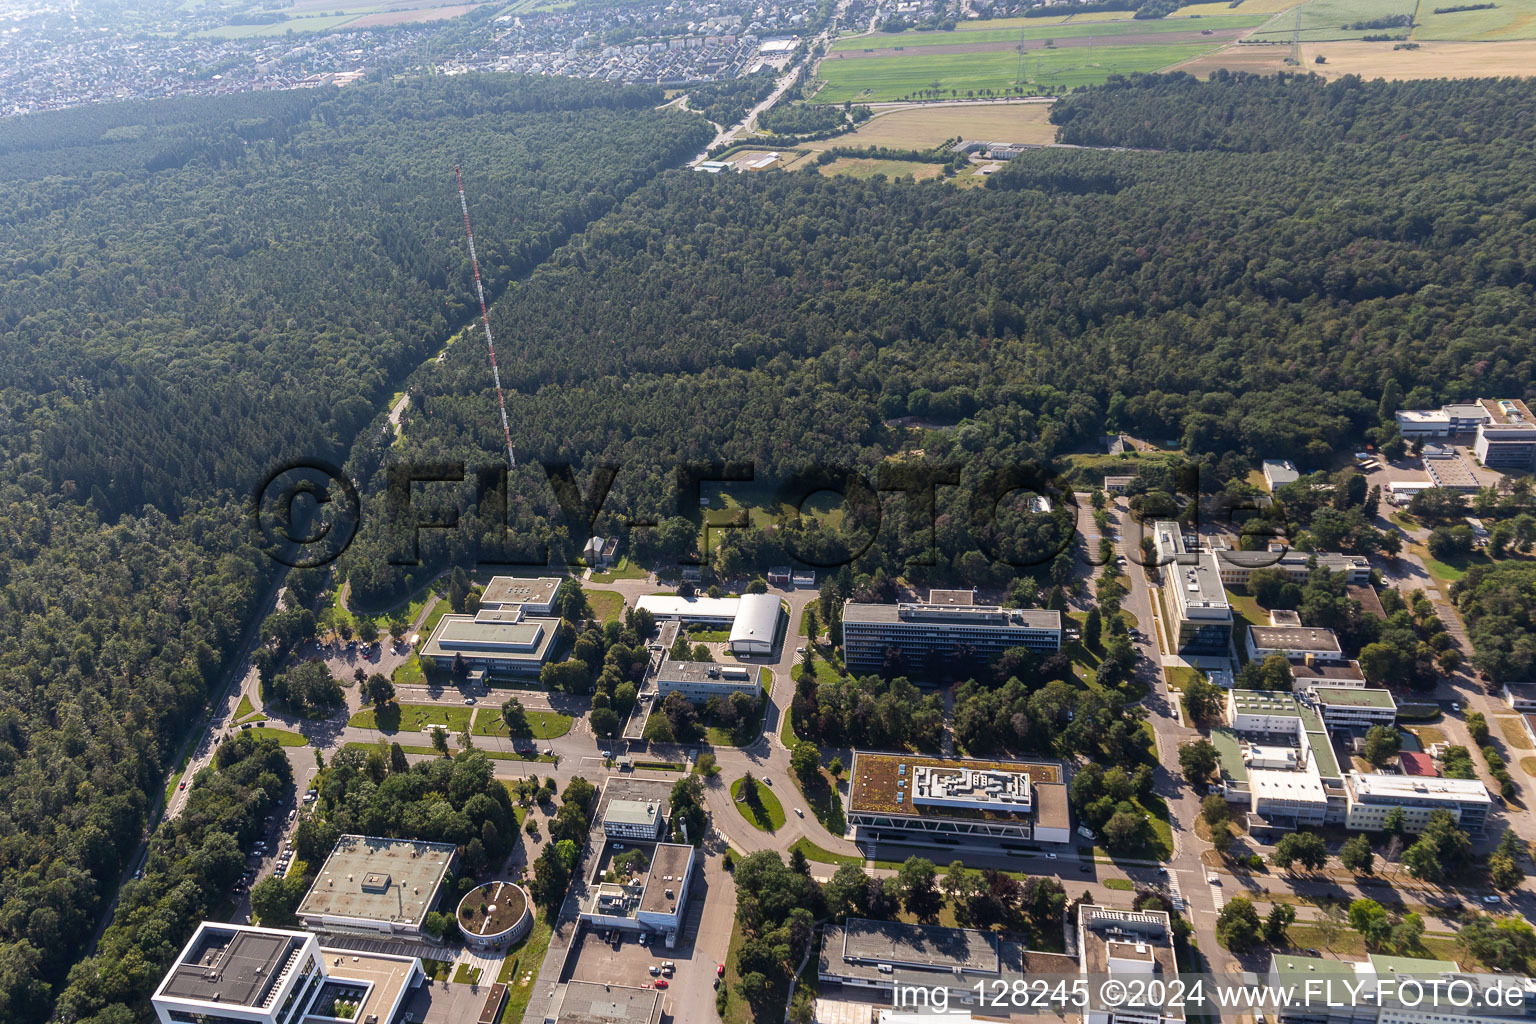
(757, 618)
(1275, 784)
(669, 606)
(1420, 786)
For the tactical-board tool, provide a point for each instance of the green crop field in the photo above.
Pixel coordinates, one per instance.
(1108, 29)
(1327, 19)
(1509, 19)
(880, 79)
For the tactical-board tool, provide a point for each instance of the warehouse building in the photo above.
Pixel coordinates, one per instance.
(372, 886)
(908, 798)
(753, 619)
(237, 974)
(918, 630)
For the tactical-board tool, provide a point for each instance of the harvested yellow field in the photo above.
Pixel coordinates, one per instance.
(1430, 60)
(1376, 60)
(921, 127)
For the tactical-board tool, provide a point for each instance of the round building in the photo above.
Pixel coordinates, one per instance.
(495, 915)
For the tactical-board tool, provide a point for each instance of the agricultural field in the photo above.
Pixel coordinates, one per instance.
(1332, 19)
(1071, 30)
(1220, 8)
(924, 127)
(1508, 20)
(328, 15)
(1020, 56)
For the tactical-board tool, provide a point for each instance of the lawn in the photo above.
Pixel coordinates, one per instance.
(769, 816)
(661, 766)
(466, 975)
(245, 707)
(434, 616)
(709, 636)
(409, 672)
(1528, 765)
(625, 570)
(747, 733)
(867, 167)
(284, 737)
(520, 970)
(820, 856)
(1428, 735)
(1120, 884)
(1514, 732)
(1179, 676)
(546, 725)
(412, 717)
(607, 606)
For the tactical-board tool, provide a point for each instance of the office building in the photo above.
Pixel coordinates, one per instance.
(1446, 421)
(237, 974)
(1451, 472)
(1353, 708)
(1134, 943)
(909, 798)
(1195, 598)
(1277, 759)
(1319, 992)
(655, 904)
(536, 597)
(879, 955)
(633, 819)
(1310, 672)
(1372, 797)
(1237, 566)
(701, 680)
(1296, 643)
(498, 641)
(590, 1002)
(920, 630)
(372, 886)
(1507, 438)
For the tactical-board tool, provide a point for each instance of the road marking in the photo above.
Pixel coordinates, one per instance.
(1218, 897)
(1175, 891)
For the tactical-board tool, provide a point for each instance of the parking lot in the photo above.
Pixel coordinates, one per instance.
(630, 964)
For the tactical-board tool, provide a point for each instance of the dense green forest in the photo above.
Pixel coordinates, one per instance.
(195, 289)
(1250, 290)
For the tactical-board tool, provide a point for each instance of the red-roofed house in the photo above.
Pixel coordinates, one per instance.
(1417, 764)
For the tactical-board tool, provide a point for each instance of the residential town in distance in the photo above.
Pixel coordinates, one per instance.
(51, 60)
(1191, 743)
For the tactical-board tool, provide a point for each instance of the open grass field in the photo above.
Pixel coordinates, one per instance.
(520, 969)
(1514, 732)
(284, 737)
(760, 504)
(905, 76)
(1510, 19)
(1220, 8)
(820, 856)
(1120, 26)
(607, 606)
(922, 127)
(1430, 60)
(862, 167)
(625, 570)
(1329, 19)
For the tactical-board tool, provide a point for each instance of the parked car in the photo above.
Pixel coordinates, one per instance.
(720, 970)
(469, 700)
(661, 982)
(655, 971)
(799, 812)
(1492, 899)
(767, 781)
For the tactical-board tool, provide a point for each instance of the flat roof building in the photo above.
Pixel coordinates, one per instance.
(657, 904)
(1202, 617)
(534, 596)
(878, 955)
(1127, 942)
(373, 886)
(1238, 566)
(1296, 643)
(1446, 421)
(701, 680)
(227, 974)
(691, 611)
(633, 819)
(1507, 439)
(1317, 988)
(588, 1002)
(1308, 673)
(1279, 472)
(1372, 797)
(1453, 474)
(499, 641)
(923, 630)
(910, 798)
(1352, 707)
